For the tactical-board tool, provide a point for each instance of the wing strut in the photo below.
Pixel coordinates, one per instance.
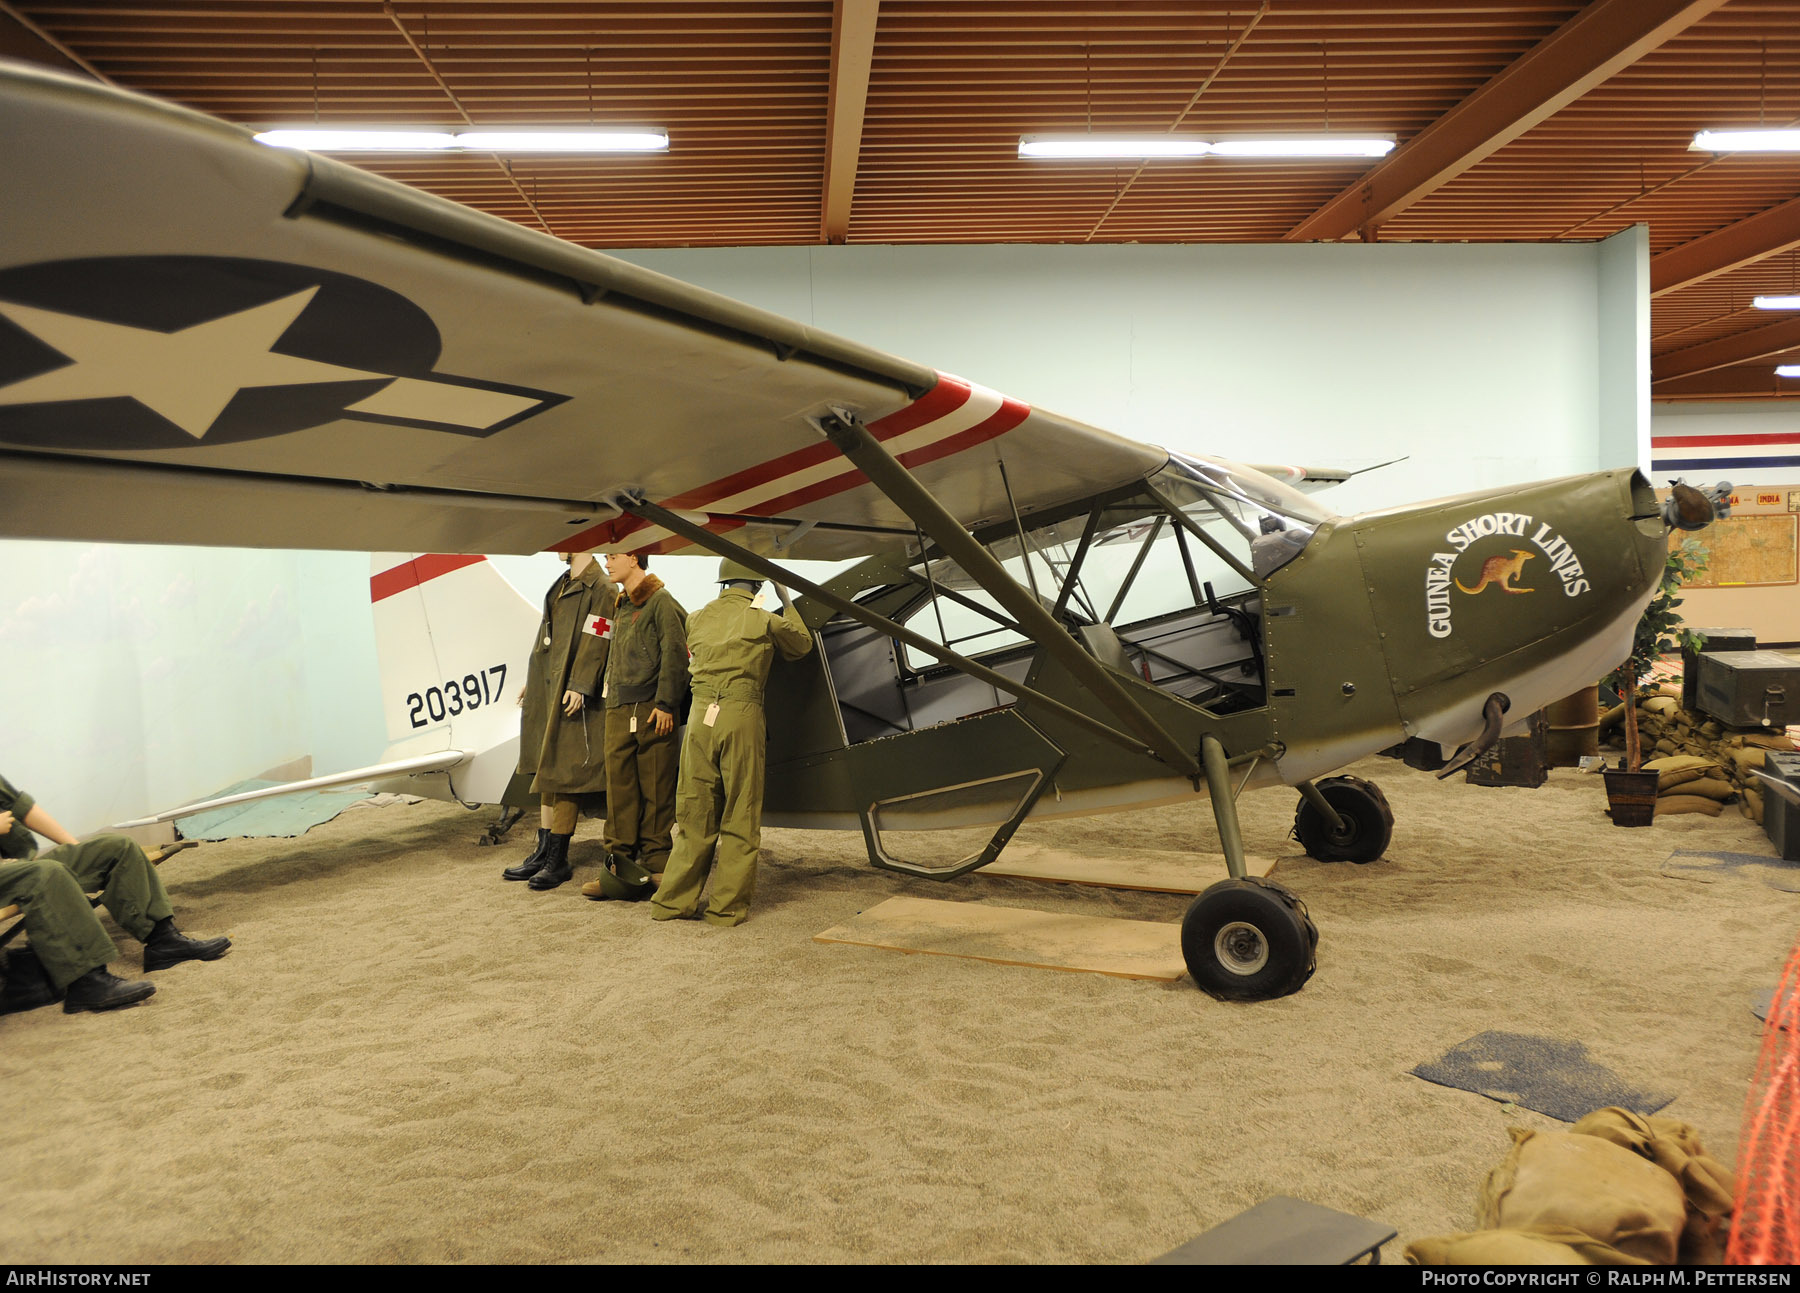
(676, 523)
(853, 440)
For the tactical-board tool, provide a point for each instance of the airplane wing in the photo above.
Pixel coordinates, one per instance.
(205, 340)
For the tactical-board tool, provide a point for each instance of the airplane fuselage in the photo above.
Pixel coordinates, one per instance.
(1380, 630)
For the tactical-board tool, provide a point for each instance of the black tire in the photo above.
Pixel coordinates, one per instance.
(1249, 940)
(1369, 822)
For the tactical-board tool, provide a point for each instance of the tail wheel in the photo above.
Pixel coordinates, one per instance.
(1249, 940)
(1368, 822)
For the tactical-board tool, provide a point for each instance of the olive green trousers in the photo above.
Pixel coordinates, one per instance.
(640, 786)
(52, 889)
(719, 809)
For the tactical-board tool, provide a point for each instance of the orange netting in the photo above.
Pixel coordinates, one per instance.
(1766, 1228)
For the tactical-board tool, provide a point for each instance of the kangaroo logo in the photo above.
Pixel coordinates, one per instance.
(1501, 571)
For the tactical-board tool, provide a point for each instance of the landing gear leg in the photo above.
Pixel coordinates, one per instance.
(497, 829)
(1224, 805)
(1244, 939)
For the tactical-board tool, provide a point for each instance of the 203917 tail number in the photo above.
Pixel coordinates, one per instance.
(452, 697)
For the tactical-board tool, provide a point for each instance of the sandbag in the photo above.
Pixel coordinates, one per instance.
(1707, 1184)
(1747, 759)
(1667, 781)
(1676, 804)
(1770, 741)
(1710, 787)
(1663, 705)
(1681, 763)
(1545, 1246)
(1752, 807)
(1557, 1178)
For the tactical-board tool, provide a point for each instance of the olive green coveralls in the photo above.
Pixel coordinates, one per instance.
(646, 669)
(719, 803)
(52, 889)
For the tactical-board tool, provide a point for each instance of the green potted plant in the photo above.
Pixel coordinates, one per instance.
(1630, 791)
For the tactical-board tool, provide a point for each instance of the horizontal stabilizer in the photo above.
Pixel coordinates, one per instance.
(437, 762)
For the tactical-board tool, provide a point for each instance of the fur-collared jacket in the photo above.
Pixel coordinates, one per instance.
(649, 659)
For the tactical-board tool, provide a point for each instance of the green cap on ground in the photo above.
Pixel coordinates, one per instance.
(729, 569)
(630, 883)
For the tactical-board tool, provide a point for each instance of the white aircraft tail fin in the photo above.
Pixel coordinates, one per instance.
(452, 637)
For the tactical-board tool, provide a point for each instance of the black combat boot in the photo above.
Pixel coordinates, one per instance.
(27, 985)
(168, 946)
(556, 869)
(533, 864)
(98, 990)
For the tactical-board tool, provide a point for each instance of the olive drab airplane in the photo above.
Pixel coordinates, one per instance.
(1045, 618)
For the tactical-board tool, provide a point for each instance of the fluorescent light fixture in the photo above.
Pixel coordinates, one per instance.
(1066, 146)
(564, 141)
(1321, 146)
(567, 140)
(1746, 141)
(1154, 147)
(1776, 302)
(1788, 370)
(359, 141)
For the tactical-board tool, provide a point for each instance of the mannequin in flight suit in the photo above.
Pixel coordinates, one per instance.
(718, 805)
(69, 942)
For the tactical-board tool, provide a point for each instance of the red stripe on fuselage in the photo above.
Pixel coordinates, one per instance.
(410, 574)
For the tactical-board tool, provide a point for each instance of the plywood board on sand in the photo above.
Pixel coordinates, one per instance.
(1152, 870)
(1132, 949)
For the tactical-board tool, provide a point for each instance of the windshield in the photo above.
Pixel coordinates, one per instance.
(1254, 488)
(1266, 521)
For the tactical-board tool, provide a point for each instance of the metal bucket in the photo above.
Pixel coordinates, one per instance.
(1631, 796)
(1574, 727)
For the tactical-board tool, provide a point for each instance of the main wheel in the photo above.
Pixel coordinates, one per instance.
(1368, 822)
(1249, 940)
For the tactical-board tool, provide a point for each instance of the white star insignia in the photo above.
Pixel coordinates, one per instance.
(187, 376)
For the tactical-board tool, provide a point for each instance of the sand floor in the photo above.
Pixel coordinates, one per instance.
(406, 1059)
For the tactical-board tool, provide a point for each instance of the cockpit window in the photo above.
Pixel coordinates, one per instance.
(1266, 522)
(1255, 488)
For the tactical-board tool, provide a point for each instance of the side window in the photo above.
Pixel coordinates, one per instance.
(962, 617)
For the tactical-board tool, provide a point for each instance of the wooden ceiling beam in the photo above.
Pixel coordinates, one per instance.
(1740, 383)
(852, 54)
(1603, 38)
(1742, 348)
(1754, 238)
(22, 38)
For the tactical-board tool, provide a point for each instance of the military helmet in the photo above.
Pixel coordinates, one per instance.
(729, 570)
(623, 880)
